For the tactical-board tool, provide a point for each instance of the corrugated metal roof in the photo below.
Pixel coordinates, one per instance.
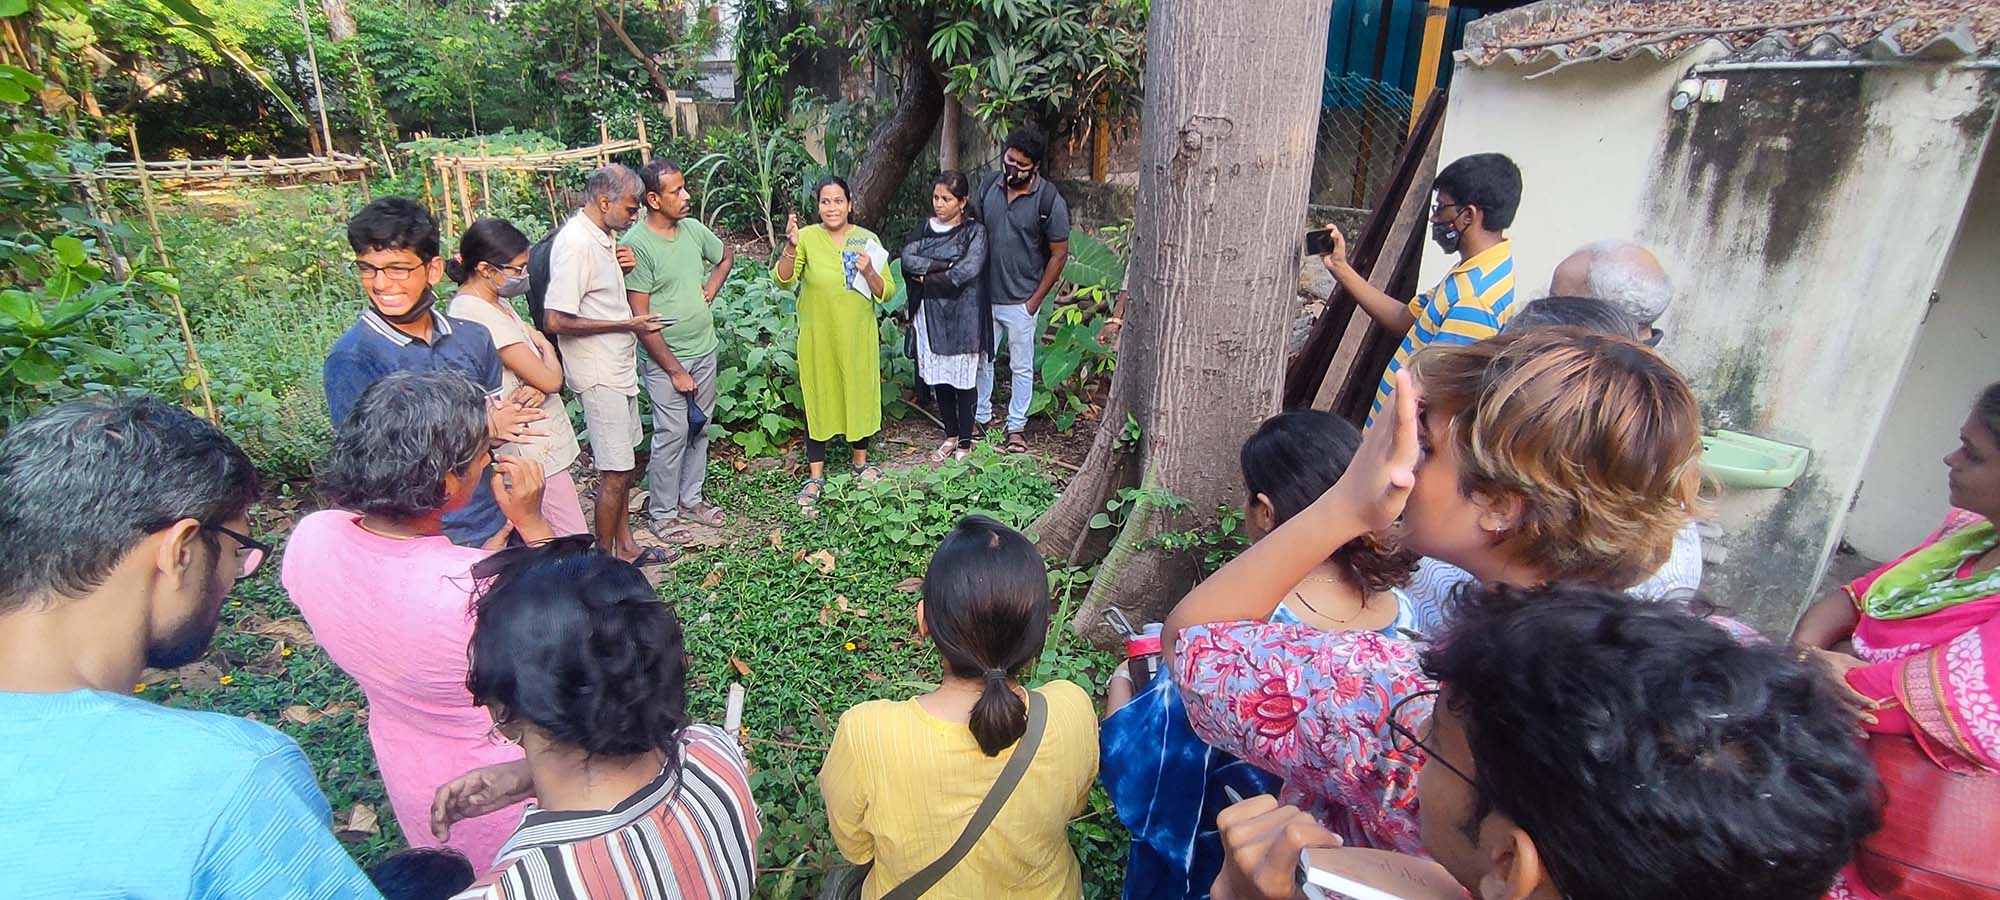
(1576, 30)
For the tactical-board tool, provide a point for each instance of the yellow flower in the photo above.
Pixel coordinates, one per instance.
(285, 652)
(139, 688)
(226, 679)
(849, 646)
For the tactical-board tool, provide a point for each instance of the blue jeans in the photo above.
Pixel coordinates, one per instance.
(1017, 325)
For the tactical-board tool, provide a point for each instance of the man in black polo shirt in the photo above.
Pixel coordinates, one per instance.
(395, 242)
(1027, 240)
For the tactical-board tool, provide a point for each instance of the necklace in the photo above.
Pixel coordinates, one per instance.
(1315, 610)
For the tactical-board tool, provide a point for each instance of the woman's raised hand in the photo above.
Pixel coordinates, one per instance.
(792, 228)
(1378, 482)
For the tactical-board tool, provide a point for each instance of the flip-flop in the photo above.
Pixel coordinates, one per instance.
(656, 555)
(868, 472)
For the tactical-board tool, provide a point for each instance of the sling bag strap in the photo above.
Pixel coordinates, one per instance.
(996, 797)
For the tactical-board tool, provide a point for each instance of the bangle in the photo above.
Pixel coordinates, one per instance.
(1114, 320)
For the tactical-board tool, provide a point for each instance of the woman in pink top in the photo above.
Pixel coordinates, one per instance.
(389, 596)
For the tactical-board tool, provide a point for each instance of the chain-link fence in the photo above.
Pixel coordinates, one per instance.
(1362, 126)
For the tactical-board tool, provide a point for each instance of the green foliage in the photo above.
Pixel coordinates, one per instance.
(1094, 267)
(744, 177)
(1070, 359)
(758, 403)
(1016, 61)
(1212, 546)
(771, 37)
(268, 290)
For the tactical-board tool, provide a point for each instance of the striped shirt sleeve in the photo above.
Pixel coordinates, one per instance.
(273, 838)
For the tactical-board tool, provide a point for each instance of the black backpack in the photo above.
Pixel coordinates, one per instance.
(538, 282)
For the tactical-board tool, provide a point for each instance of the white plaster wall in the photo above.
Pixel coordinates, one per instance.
(1806, 220)
(1903, 497)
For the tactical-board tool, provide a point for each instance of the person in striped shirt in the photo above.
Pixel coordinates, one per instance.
(581, 664)
(1476, 199)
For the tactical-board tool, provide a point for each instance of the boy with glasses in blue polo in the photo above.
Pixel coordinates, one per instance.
(395, 242)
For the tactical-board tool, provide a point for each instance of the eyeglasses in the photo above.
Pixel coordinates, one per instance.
(1404, 721)
(1437, 207)
(250, 551)
(395, 273)
(510, 269)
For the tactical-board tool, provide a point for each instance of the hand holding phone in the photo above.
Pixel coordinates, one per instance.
(1319, 242)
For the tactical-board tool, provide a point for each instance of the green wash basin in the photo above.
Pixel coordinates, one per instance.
(1748, 462)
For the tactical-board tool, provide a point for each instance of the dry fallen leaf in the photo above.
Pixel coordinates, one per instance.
(290, 631)
(799, 555)
(777, 539)
(840, 600)
(823, 560)
(910, 585)
(199, 676)
(714, 578)
(826, 615)
(873, 676)
(306, 715)
(742, 668)
(361, 824)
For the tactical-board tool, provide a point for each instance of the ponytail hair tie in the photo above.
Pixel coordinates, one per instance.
(996, 675)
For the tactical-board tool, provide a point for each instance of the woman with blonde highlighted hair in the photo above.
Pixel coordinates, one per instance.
(1543, 456)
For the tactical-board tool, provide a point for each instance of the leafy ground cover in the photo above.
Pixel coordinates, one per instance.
(812, 616)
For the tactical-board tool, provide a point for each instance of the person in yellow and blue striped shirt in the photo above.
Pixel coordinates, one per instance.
(1476, 199)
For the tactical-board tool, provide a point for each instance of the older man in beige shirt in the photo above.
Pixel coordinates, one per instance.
(586, 309)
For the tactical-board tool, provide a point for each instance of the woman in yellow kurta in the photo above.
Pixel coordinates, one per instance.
(842, 267)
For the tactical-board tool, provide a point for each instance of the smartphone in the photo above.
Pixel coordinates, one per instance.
(1319, 242)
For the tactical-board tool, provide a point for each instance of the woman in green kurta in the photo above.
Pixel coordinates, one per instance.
(841, 266)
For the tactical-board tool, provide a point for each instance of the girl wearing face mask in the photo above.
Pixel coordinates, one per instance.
(491, 267)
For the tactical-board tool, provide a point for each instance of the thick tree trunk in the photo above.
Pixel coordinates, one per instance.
(896, 143)
(1226, 148)
(339, 22)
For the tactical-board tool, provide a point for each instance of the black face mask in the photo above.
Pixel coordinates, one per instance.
(1446, 236)
(422, 309)
(1017, 177)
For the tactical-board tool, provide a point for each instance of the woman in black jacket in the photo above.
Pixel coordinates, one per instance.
(942, 261)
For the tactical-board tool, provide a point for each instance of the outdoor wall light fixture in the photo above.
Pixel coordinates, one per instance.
(1690, 89)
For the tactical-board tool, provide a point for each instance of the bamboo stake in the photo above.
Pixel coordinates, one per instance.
(464, 193)
(444, 188)
(180, 312)
(485, 184)
(146, 198)
(603, 142)
(429, 199)
(319, 90)
(549, 188)
(367, 196)
(645, 148)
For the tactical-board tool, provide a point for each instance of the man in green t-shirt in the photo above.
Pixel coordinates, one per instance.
(680, 267)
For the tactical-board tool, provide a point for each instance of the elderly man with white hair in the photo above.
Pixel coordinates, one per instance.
(1621, 273)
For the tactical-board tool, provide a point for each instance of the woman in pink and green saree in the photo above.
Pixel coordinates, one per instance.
(1918, 643)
